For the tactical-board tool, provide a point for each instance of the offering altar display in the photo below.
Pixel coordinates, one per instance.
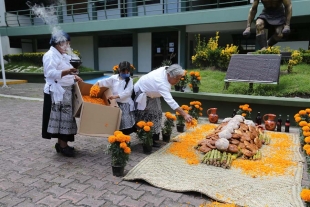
(234, 162)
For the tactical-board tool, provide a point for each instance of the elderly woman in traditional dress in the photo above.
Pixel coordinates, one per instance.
(58, 120)
(148, 90)
(121, 86)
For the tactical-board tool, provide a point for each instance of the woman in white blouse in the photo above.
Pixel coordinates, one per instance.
(58, 120)
(149, 88)
(121, 86)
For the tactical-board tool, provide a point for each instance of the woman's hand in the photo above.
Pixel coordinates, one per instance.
(113, 97)
(78, 79)
(188, 118)
(70, 71)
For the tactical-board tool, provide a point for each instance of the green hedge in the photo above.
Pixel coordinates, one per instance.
(34, 58)
(306, 58)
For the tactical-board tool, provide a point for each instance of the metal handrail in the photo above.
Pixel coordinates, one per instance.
(100, 10)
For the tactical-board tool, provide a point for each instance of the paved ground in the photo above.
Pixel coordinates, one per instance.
(33, 174)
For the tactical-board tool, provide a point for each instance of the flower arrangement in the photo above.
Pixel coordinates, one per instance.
(302, 119)
(245, 111)
(180, 118)
(183, 81)
(119, 147)
(115, 69)
(194, 79)
(269, 50)
(195, 109)
(145, 132)
(168, 123)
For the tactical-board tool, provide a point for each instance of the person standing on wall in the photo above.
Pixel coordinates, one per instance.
(121, 86)
(58, 121)
(148, 90)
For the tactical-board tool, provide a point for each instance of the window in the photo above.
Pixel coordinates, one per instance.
(124, 40)
(140, 2)
(43, 43)
(15, 42)
(110, 4)
(79, 7)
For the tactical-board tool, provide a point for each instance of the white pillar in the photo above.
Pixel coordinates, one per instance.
(2, 13)
(2, 65)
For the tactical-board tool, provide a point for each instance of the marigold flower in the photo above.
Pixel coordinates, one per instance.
(296, 115)
(306, 134)
(94, 90)
(297, 119)
(122, 145)
(149, 123)
(127, 138)
(305, 128)
(117, 133)
(127, 150)
(305, 195)
(302, 112)
(141, 124)
(306, 146)
(303, 123)
(308, 110)
(111, 139)
(243, 114)
(308, 151)
(307, 139)
(146, 128)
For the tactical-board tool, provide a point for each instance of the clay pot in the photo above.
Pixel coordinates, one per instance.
(213, 117)
(269, 120)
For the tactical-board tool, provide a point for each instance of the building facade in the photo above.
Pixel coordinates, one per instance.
(143, 32)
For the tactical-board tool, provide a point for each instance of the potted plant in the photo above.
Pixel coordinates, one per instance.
(180, 119)
(119, 147)
(144, 133)
(245, 111)
(168, 124)
(183, 82)
(194, 81)
(195, 109)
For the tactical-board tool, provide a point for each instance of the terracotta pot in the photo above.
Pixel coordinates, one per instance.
(213, 117)
(147, 149)
(166, 137)
(118, 171)
(180, 127)
(195, 89)
(269, 120)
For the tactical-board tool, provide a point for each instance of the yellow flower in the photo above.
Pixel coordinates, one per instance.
(306, 146)
(141, 124)
(307, 139)
(146, 128)
(305, 195)
(243, 114)
(117, 133)
(303, 123)
(305, 128)
(149, 123)
(127, 150)
(111, 139)
(122, 145)
(297, 119)
(302, 112)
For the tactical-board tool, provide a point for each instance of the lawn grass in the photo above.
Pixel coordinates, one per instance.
(290, 85)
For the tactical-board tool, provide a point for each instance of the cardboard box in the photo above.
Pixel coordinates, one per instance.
(95, 119)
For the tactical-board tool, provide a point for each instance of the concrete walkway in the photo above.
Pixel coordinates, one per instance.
(33, 174)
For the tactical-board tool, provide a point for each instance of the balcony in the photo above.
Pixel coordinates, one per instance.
(114, 9)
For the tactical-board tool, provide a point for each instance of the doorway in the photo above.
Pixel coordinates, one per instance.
(164, 47)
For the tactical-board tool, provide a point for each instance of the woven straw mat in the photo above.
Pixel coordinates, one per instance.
(167, 171)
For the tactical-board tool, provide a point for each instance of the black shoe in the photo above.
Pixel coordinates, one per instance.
(155, 144)
(57, 147)
(67, 151)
